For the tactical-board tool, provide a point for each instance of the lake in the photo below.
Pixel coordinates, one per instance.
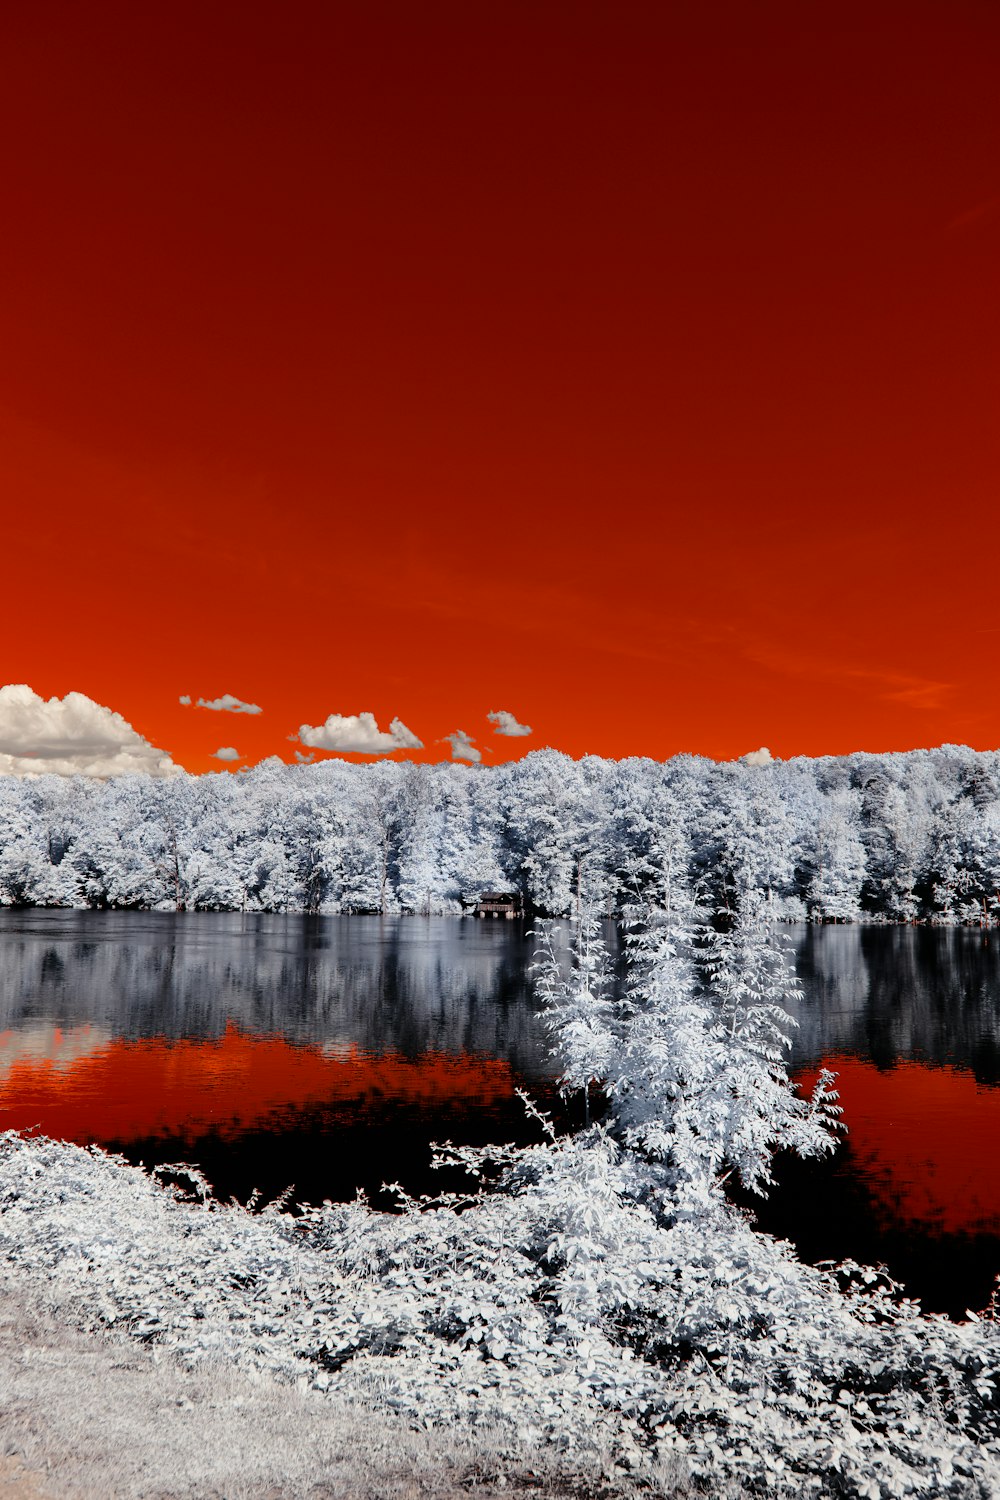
(328, 1052)
(909, 1018)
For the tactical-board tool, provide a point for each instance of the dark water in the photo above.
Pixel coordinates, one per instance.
(909, 1018)
(325, 1052)
(330, 1052)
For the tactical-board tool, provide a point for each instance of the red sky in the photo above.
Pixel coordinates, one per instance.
(631, 367)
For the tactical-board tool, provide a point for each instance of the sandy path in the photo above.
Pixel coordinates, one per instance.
(84, 1417)
(18, 1483)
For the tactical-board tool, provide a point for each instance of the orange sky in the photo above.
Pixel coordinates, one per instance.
(631, 367)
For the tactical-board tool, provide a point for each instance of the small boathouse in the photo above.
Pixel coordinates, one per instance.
(499, 904)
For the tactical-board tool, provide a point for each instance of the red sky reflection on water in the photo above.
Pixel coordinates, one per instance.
(924, 1138)
(81, 1085)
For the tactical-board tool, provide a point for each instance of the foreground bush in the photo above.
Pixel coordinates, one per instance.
(565, 1306)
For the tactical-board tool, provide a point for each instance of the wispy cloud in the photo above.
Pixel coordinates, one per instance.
(359, 734)
(505, 723)
(226, 752)
(227, 704)
(463, 746)
(984, 212)
(898, 687)
(71, 736)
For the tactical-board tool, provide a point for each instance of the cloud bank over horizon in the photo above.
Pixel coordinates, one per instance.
(71, 736)
(358, 734)
(505, 723)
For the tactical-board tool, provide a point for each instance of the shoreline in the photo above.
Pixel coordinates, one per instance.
(460, 916)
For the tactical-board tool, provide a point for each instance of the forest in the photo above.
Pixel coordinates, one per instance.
(899, 837)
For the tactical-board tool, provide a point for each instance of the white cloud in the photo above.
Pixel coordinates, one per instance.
(185, 699)
(304, 760)
(761, 757)
(505, 723)
(226, 752)
(463, 747)
(359, 734)
(227, 704)
(71, 736)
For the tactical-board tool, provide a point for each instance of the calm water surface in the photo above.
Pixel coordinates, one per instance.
(329, 1053)
(909, 1018)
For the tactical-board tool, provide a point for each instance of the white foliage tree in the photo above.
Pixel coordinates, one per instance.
(662, 1060)
(574, 983)
(750, 1108)
(835, 890)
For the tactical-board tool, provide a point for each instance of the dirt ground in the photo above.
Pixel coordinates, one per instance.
(18, 1483)
(85, 1417)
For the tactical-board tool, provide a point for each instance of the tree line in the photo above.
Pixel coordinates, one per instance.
(891, 837)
